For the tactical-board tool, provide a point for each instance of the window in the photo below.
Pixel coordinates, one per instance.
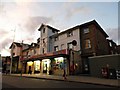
(62, 46)
(34, 51)
(87, 44)
(56, 48)
(86, 30)
(43, 50)
(13, 54)
(38, 40)
(43, 30)
(27, 53)
(44, 40)
(70, 33)
(70, 45)
(56, 38)
(53, 31)
(110, 44)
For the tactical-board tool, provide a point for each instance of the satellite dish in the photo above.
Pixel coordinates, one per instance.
(74, 42)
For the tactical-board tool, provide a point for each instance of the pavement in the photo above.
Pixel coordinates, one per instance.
(81, 79)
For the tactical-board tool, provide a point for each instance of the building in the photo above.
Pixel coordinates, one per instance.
(5, 63)
(118, 49)
(68, 50)
(0, 63)
(93, 42)
(112, 47)
(16, 49)
(28, 55)
(88, 37)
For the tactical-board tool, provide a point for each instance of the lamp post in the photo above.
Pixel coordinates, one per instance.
(11, 59)
(21, 57)
(12, 52)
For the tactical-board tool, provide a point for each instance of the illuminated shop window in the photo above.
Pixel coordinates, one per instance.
(58, 63)
(37, 65)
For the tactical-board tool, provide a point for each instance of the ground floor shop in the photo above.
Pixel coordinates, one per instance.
(55, 63)
(49, 66)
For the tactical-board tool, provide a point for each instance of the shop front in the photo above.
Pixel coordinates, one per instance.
(45, 67)
(37, 66)
(33, 66)
(50, 63)
(58, 65)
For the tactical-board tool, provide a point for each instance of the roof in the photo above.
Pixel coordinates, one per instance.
(94, 22)
(33, 45)
(42, 25)
(81, 26)
(17, 44)
(112, 42)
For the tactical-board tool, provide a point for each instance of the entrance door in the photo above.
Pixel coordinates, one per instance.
(45, 67)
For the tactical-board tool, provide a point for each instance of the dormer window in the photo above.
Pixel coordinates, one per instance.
(70, 33)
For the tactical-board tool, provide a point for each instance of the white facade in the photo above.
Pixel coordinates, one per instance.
(63, 41)
(48, 43)
(45, 33)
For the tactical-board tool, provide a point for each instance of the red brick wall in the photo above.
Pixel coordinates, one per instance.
(99, 44)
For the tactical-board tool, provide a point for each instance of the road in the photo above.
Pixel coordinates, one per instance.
(22, 82)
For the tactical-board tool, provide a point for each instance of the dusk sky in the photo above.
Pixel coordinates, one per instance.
(25, 17)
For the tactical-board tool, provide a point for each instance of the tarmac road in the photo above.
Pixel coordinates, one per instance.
(22, 82)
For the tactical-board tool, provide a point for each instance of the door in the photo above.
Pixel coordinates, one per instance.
(45, 67)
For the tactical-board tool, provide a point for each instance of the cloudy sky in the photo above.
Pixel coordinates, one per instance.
(20, 19)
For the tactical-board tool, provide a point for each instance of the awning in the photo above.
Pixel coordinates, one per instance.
(63, 53)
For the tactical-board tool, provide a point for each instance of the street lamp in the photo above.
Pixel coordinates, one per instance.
(21, 58)
(11, 59)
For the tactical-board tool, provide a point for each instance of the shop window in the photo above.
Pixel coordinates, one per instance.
(87, 44)
(56, 48)
(70, 33)
(37, 65)
(58, 63)
(86, 30)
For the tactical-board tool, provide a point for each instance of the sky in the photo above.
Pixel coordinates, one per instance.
(20, 19)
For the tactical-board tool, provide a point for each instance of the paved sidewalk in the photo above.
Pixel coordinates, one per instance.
(82, 79)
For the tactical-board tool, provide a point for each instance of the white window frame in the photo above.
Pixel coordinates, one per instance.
(56, 48)
(86, 30)
(70, 33)
(87, 44)
(62, 46)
